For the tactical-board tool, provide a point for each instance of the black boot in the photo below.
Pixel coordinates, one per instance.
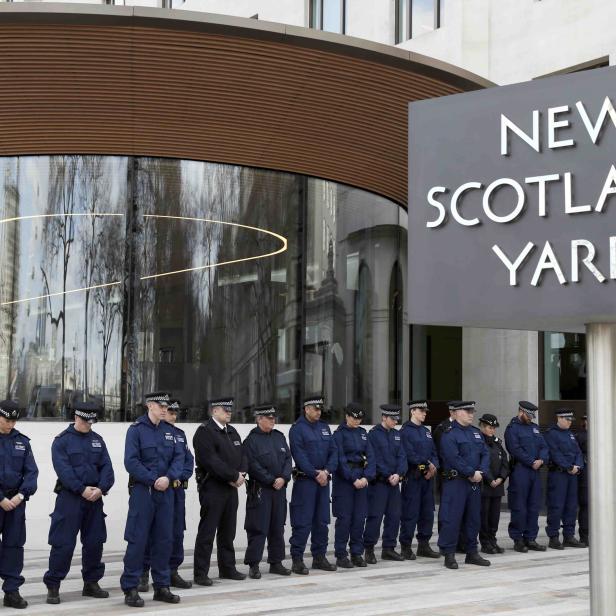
(254, 573)
(474, 559)
(132, 598)
(320, 562)
(369, 556)
(520, 546)
(53, 595)
(497, 547)
(450, 561)
(358, 560)
(279, 569)
(584, 540)
(391, 554)
(572, 542)
(488, 548)
(407, 553)
(202, 579)
(534, 546)
(234, 574)
(14, 599)
(144, 582)
(344, 563)
(555, 543)
(92, 589)
(177, 581)
(424, 549)
(165, 595)
(299, 567)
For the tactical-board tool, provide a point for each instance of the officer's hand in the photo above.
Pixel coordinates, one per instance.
(321, 478)
(358, 484)
(16, 501)
(476, 478)
(279, 483)
(394, 479)
(239, 482)
(575, 470)
(537, 464)
(96, 494)
(161, 484)
(88, 493)
(7, 504)
(495, 483)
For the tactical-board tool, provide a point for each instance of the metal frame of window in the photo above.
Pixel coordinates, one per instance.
(404, 32)
(315, 15)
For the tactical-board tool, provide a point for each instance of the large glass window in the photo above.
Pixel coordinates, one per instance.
(121, 275)
(564, 364)
(416, 17)
(328, 15)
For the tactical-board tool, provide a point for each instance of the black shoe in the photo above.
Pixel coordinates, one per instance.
(53, 596)
(369, 556)
(279, 569)
(202, 579)
(299, 567)
(254, 573)
(555, 543)
(14, 599)
(391, 554)
(144, 582)
(474, 559)
(520, 546)
(320, 562)
(407, 553)
(358, 560)
(177, 581)
(450, 561)
(584, 541)
(534, 546)
(344, 563)
(232, 575)
(498, 548)
(488, 548)
(92, 589)
(132, 598)
(165, 595)
(424, 549)
(572, 542)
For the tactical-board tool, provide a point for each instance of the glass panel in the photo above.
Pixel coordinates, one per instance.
(61, 283)
(402, 20)
(217, 310)
(564, 366)
(332, 16)
(353, 243)
(422, 19)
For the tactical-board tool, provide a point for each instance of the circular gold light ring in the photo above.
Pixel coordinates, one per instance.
(283, 248)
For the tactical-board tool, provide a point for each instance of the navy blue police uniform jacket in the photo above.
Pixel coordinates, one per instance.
(353, 448)
(463, 450)
(525, 443)
(268, 455)
(19, 471)
(418, 445)
(81, 459)
(188, 468)
(388, 452)
(313, 447)
(151, 452)
(564, 449)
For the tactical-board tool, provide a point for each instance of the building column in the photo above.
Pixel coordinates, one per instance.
(601, 357)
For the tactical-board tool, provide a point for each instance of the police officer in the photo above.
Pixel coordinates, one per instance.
(464, 463)
(83, 466)
(179, 507)
(316, 458)
(566, 462)
(221, 468)
(269, 468)
(493, 488)
(18, 476)
(154, 460)
(356, 469)
(529, 452)
(418, 487)
(582, 438)
(384, 492)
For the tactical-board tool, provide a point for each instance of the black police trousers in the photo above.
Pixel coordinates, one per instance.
(265, 519)
(583, 507)
(218, 519)
(490, 517)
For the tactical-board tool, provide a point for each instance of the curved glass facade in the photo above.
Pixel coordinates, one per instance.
(120, 275)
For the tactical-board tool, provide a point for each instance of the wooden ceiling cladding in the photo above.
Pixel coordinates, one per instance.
(83, 83)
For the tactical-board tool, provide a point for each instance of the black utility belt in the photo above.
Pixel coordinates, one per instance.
(384, 479)
(360, 465)
(452, 474)
(558, 469)
(298, 474)
(59, 487)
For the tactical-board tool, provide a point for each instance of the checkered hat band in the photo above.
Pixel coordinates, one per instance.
(314, 401)
(222, 403)
(391, 413)
(418, 405)
(270, 411)
(9, 414)
(86, 414)
(161, 398)
(567, 414)
(173, 406)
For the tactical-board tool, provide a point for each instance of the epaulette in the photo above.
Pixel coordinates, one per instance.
(57, 436)
(448, 428)
(23, 435)
(135, 423)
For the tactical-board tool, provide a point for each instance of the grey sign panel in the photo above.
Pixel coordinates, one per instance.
(512, 205)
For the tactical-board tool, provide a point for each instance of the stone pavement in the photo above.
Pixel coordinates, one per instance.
(546, 583)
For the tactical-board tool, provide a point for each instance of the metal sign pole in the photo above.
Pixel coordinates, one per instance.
(601, 352)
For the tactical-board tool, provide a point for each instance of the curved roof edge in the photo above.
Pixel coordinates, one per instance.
(387, 54)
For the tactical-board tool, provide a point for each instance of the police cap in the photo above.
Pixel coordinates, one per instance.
(225, 402)
(88, 411)
(421, 405)
(489, 420)
(565, 413)
(265, 410)
(354, 410)
(160, 397)
(528, 407)
(317, 401)
(390, 410)
(9, 410)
